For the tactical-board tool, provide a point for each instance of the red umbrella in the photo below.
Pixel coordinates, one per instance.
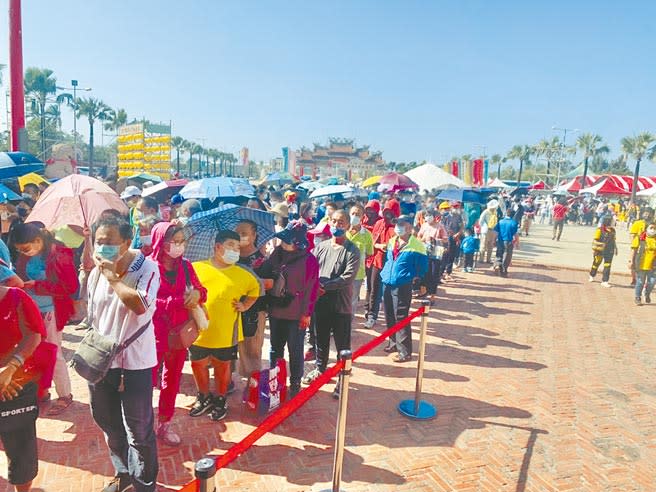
(165, 190)
(75, 200)
(396, 182)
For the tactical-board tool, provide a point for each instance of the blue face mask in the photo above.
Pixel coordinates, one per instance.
(107, 252)
(336, 231)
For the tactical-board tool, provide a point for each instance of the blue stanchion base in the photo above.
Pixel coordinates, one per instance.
(426, 410)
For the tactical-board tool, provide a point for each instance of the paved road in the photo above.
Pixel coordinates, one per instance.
(543, 382)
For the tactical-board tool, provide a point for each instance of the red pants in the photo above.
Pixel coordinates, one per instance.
(172, 363)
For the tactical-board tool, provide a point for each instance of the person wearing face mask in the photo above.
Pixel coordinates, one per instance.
(644, 263)
(406, 260)
(50, 278)
(487, 222)
(145, 217)
(290, 316)
(339, 261)
(363, 239)
(434, 237)
(179, 291)
(123, 290)
(315, 236)
(231, 290)
(381, 233)
(254, 320)
(130, 196)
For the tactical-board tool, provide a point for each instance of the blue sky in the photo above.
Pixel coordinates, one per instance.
(415, 79)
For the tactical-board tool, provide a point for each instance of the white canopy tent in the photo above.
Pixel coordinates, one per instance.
(497, 183)
(430, 177)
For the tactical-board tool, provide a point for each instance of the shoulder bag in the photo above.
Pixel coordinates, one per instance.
(95, 354)
(185, 334)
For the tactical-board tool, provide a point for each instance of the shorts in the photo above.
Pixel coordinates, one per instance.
(224, 354)
(20, 448)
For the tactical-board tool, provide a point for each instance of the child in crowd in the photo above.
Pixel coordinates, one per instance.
(469, 247)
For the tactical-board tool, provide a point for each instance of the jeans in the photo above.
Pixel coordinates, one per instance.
(287, 331)
(504, 254)
(397, 306)
(449, 256)
(374, 291)
(126, 418)
(646, 279)
(469, 260)
(432, 277)
(171, 363)
(328, 321)
(597, 259)
(357, 286)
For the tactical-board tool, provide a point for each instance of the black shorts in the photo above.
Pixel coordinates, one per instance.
(20, 448)
(225, 354)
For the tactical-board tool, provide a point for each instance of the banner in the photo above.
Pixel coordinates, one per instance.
(467, 171)
(292, 161)
(477, 172)
(486, 170)
(285, 159)
(455, 168)
(243, 155)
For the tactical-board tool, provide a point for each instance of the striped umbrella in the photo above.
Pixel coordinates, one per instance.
(203, 226)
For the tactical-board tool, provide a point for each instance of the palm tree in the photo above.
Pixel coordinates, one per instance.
(638, 147)
(116, 119)
(177, 144)
(198, 150)
(53, 115)
(94, 110)
(523, 154)
(187, 146)
(40, 83)
(497, 159)
(590, 144)
(213, 154)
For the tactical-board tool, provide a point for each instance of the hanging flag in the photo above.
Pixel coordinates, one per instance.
(455, 170)
(477, 172)
(467, 171)
(486, 170)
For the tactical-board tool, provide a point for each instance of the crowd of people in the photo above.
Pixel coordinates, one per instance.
(133, 283)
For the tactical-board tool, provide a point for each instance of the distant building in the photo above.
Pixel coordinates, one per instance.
(339, 158)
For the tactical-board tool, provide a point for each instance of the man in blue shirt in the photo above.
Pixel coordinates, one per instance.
(506, 230)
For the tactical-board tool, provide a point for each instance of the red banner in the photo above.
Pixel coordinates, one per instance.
(477, 172)
(454, 169)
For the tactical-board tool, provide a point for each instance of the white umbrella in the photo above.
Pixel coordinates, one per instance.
(331, 190)
(431, 177)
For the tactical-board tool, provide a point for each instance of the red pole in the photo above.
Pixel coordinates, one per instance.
(16, 76)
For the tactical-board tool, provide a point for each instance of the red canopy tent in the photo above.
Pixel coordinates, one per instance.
(540, 185)
(606, 185)
(574, 184)
(626, 182)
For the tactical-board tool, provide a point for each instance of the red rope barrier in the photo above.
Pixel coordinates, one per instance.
(291, 406)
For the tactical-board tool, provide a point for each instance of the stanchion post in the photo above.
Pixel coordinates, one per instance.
(205, 470)
(340, 431)
(418, 409)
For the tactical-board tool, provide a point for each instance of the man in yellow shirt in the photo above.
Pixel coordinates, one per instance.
(231, 290)
(645, 264)
(637, 228)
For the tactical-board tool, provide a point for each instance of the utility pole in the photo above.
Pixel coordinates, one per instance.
(18, 132)
(562, 147)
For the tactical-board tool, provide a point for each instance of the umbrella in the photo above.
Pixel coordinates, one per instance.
(331, 190)
(9, 193)
(431, 177)
(15, 164)
(75, 200)
(279, 178)
(396, 182)
(31, 178)
(165, 190)
(143, 177)
(203, 226)
(462, 195)
(374, 180)
(310, 185)
(220, 186)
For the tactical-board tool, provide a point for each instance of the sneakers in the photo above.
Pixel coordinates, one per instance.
(370, 323)
(120, 483)
(590, 278)
(294, 389)
(605, 284)
(638, 301)
(402, 358)
(648, 299)
(166, 435)
(310, 355)
(311, 376)
(219, 409)
(202, 405)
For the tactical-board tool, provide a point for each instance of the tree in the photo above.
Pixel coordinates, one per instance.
(197, 149)
(523, 154)
(188, 146)
(177, 144)
(496, 159)
(53, 115)
(590, 145)
(549, 150)
(116, 119)
(94, 110)
(639, 147)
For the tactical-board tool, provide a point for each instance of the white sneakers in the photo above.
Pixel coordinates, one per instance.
(590, 278)
(605, 284)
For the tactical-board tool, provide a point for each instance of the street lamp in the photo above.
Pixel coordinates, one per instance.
(562, 147)
(74, 89)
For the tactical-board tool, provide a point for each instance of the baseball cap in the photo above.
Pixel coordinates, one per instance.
(130, 191)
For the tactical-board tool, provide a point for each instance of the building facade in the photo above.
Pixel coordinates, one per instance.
(341, 157)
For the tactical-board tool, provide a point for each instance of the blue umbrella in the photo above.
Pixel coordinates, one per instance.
(15, 164)
(278, 178)
(203, 226)
(8, 194)
(462, 195)
(220, 186)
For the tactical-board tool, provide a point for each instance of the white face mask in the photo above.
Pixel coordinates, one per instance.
(230, 257)
(399, 230)
(355, 220)
(176, 250)
(146, 240)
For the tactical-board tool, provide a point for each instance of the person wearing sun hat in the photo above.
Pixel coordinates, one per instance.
(487, 221)
(454, 227)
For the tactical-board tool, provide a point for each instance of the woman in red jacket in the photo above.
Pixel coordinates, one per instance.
(50, 278)
(174, 299)
(21, 365)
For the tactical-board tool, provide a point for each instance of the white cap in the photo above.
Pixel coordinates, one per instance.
(130, 191)
(492, 204)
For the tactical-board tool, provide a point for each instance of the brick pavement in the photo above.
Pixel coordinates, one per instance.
(543, 383)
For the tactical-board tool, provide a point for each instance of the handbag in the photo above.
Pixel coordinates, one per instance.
(278, 295)
(95, 354)
(21, 411)
(185, 334)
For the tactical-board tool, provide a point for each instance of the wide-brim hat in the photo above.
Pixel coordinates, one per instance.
(281, 209)
(492, 204)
